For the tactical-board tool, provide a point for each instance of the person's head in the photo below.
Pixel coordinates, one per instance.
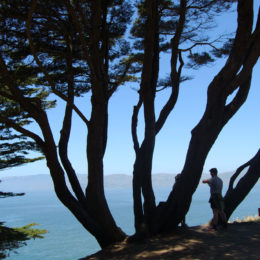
(213, 172)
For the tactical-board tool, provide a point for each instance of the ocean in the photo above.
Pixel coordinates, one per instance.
(67, 239)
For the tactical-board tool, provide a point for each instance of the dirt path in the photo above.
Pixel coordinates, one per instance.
(239, 241)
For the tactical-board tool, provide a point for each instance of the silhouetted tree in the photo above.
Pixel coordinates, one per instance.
(183, 24)
(233, 78)
(65, 48)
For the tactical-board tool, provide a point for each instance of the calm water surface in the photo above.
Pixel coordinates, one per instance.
(67, 239)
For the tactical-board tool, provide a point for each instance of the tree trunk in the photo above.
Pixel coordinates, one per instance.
(142, 183)
(142, 180)
(235, 196)
(97, 129)
(95, 196)
(178, 202)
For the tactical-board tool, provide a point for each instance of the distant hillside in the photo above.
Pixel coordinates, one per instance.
(43, 182)
(40, 182)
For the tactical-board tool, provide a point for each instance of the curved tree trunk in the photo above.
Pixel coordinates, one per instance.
(234, 196)
(178, 202)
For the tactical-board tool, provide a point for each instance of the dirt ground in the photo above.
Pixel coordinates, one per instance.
(239, 241)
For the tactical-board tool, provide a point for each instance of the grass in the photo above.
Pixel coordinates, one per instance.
(247, 219)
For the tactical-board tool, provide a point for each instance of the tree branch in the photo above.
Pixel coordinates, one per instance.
(4, 94)
(26, 103)
(134, 124)
(172, 99)
(235, 175)
(200, 44)
(47, 76)
(175, 74)
(22, 130)
(84, 45)
(234, 196)
(66, 130)
(242, 39)
(251, 57)
(119, 81)
(243, 80)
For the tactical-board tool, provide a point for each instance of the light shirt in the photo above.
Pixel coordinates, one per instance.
(216, 185)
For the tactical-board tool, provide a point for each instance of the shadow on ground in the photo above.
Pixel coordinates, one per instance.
(239, 241)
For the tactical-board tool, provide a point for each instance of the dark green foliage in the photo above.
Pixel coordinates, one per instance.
(166, 82)
(16, 153)
(15, 148)
(13, 238)
(56, 42)
(10, 239)
(32, 232)
(9, 194)
(199, 59)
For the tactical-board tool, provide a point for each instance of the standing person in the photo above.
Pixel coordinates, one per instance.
(216, 200)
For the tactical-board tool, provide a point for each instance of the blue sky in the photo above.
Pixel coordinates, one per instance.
(237, 143)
